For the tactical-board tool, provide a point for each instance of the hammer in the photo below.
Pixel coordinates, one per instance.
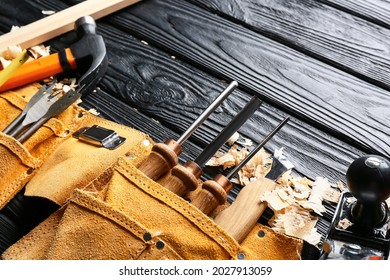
(87, 56)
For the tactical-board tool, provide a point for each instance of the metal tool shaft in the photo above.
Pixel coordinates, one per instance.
(246, 112)
(207, 112)
(257, 149)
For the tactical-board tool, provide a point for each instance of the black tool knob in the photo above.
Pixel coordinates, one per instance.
(368, 179)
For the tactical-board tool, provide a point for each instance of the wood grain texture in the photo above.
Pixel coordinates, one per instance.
(376, 11)
(326, 33)
(338, 103)
(174, 93)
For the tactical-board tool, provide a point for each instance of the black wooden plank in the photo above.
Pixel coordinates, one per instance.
(115, 110)
(174, 93)
(328, 34)
(330, 99)
(376, 11)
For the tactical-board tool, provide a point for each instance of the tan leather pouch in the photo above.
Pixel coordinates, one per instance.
(133, 217)
(20, 162)
(51, 161)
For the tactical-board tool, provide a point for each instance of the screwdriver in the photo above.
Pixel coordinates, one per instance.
(214, 192)
(164, 156)
(184, 179)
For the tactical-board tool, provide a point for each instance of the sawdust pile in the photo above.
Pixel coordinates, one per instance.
(293, 201)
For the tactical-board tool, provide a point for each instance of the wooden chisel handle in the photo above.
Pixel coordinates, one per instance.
(183, 179)
(162, 158)
(240, 217)
(213, 193)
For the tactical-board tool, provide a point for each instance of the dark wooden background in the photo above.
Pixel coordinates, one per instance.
(324, 63)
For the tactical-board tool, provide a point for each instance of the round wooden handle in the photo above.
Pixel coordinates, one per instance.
(161, 159)
(213, 193)
(183, 179)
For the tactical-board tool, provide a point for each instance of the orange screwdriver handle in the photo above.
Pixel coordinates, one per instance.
(40, 69)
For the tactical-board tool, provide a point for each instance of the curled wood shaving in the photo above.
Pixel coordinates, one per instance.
(4, 63)
(39, 51)
(296, 222)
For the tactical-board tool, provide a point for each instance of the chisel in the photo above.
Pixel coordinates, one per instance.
(214, 192)
(164, 156)
(242, 215)
(184, 179)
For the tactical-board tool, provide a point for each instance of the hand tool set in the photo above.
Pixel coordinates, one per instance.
(164, 156)
(368, 178)
(214, 192)
(184, 179)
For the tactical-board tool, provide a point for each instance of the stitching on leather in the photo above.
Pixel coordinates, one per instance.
(14, 99)
(217, 236)
(19, 150)
(102, 208)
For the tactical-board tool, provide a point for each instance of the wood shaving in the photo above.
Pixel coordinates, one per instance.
(344, 223)
(96, 113)
(39, 51)
(233, 138)
(295, 221)
(278, 199)
(4, 63)
(245, 142)
(388, 202)
(14, 28)
(318, 190)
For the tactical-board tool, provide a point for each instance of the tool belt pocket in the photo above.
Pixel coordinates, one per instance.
(19, 161)
(133, 217)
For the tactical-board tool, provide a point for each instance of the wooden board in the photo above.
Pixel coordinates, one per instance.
(42, 30)
(376, 11)
(311, 90)
(175, 93)
(347, 42)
